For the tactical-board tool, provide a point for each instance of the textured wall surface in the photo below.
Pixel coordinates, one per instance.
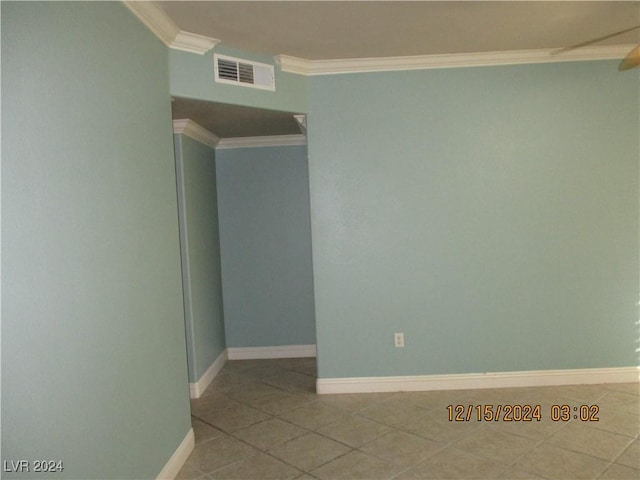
(490, 214)
(200, 249)
(94, 371)
(266, 246)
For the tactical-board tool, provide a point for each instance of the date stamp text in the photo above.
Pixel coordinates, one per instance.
(521, 413)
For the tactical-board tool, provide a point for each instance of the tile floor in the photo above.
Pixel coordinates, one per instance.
(260, 419)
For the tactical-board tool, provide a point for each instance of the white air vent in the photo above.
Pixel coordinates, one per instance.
(237, 71)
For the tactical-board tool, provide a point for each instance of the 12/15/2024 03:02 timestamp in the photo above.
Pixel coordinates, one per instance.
(521, 413)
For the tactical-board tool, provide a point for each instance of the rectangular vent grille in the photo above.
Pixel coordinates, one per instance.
(236, 71)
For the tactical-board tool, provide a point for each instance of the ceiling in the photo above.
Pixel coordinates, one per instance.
(231, 121)
(322, 30)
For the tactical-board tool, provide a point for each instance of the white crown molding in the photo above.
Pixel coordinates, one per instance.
(534, 378)
(189, 128)
(301, 120)
(302, 66)
(166, 29)
(193, 43)
(178, 458)
(268, 141)
(192, 130)
(155, 19)
(284, 351)
(198, 388)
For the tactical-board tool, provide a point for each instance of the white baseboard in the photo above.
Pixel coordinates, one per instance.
(284, 351)
(196, 389)
(536, 378)
(179, 457)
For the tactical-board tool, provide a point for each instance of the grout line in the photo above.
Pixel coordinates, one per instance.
(622, 453)
(260, 450)
(307, 431)
(284, 420)
(584, 453)
(359, 414)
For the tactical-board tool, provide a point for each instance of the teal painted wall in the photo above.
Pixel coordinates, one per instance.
(94, 370)
(200, 250)
(490, 214)
(192, 76)
(263, 203)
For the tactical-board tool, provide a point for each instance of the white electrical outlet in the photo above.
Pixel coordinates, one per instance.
(398, 339)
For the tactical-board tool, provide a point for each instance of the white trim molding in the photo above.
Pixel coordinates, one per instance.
(193, 43)
(301, 120)
(284, 351)
(267, 141)
(477, 380)
(302, 66)
(198, 388)
(192, 130)
(166, 29)
(178, 459)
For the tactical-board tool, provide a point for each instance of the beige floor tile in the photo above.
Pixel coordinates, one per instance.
(309, 451)
(436, 426)
(267, 369)
(451, 463)
(517, 474)
(520, 396)
(189, 472)
(353, 431)
(594, 442)
(403, 434)
(401, 400)
(236, 366)
(392, 413)
(251, 393)
(235, 418)
(620, 402)
(401, 448)
(307, 366)
(269, 434)
(292, 381)
(355, 466)
(517, 396)
(553, 462)
(218, 453)
(620, 472)
(210, 403)
(495, 445)
(612, 421)
(283, 402)
(354, 402)
(631, 456)
(314, 415)
(228, 382)
(534, 429)
(585, 394)
(260, 466)
(632, 388)
(439, 399)
(204, 432)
